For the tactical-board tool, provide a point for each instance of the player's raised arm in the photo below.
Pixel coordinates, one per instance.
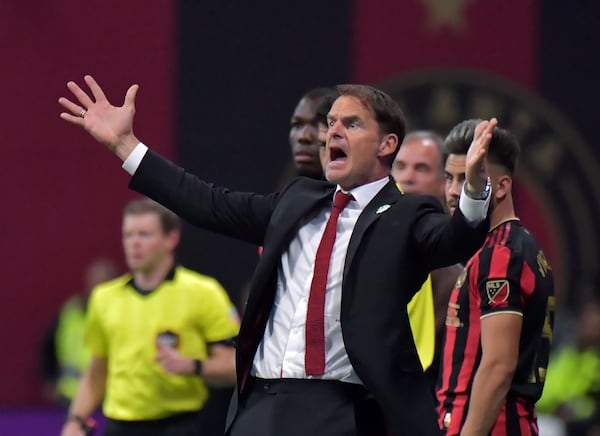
(476, 172)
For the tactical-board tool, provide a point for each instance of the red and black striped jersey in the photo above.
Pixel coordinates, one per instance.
(509, 273)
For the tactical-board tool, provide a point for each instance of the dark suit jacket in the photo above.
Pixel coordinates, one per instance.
(397, 240)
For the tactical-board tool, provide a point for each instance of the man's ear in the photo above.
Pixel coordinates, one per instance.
(387, 145)
(174, 237)
(502, 187)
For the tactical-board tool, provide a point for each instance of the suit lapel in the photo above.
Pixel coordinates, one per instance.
(384, 199)
(293, 210)
(293, 207)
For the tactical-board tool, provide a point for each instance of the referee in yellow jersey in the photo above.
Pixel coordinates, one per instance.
(157, 336)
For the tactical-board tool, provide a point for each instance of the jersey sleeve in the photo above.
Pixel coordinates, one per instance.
(95, 336)
(220, 319)
(504, 279)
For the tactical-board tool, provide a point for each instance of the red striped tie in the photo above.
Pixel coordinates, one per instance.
(314, 356)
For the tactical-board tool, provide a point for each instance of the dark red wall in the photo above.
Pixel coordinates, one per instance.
(61, 193)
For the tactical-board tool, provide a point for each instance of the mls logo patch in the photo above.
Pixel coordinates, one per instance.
(497, 291)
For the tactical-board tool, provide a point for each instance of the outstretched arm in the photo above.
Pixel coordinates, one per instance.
(108, 124)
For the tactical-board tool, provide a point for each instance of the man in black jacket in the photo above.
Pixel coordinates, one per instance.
(325, 348)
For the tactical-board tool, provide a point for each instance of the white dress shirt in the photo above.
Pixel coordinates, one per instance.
(281, 351)
(280, 354)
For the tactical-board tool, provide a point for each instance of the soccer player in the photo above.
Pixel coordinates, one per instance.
(500, 314)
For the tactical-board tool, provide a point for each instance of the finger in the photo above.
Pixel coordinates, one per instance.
(160, 354)
(83, 98)
(489, 132)
(95, 88)
(130, 96)
(72, 119)
(489, 129)
(479, 129)
(485, 138)
(75, 109)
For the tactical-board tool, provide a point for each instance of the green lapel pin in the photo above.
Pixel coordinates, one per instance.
(383, 208)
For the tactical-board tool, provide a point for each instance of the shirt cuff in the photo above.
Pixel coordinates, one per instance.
(133, 161)
(474, 211)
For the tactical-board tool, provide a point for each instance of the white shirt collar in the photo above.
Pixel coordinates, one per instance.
(364, 194)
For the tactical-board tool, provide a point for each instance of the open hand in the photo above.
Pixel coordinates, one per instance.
(108, 124)
(476, 172)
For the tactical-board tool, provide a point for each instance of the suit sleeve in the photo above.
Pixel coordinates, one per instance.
(443, 240)
(239, 215)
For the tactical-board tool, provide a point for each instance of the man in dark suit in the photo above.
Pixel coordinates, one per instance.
(309, 360)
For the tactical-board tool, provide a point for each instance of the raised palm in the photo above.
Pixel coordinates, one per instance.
(476, 172)
(108, 124)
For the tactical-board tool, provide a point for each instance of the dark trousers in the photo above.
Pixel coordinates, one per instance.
(182, 424)
(294, 407)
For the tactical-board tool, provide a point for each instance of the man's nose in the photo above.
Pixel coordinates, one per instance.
(335, 129)
(455, 188)
(406, 177)
(308, 133)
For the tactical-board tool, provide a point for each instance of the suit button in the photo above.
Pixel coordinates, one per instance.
(266, 387)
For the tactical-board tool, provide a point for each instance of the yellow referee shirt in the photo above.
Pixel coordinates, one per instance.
(421, 314)
(122, 325)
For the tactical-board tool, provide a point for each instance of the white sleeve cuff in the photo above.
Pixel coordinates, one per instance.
(133, 161)
(474, 211)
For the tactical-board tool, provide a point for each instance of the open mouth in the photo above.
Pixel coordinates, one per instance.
(336, 154)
